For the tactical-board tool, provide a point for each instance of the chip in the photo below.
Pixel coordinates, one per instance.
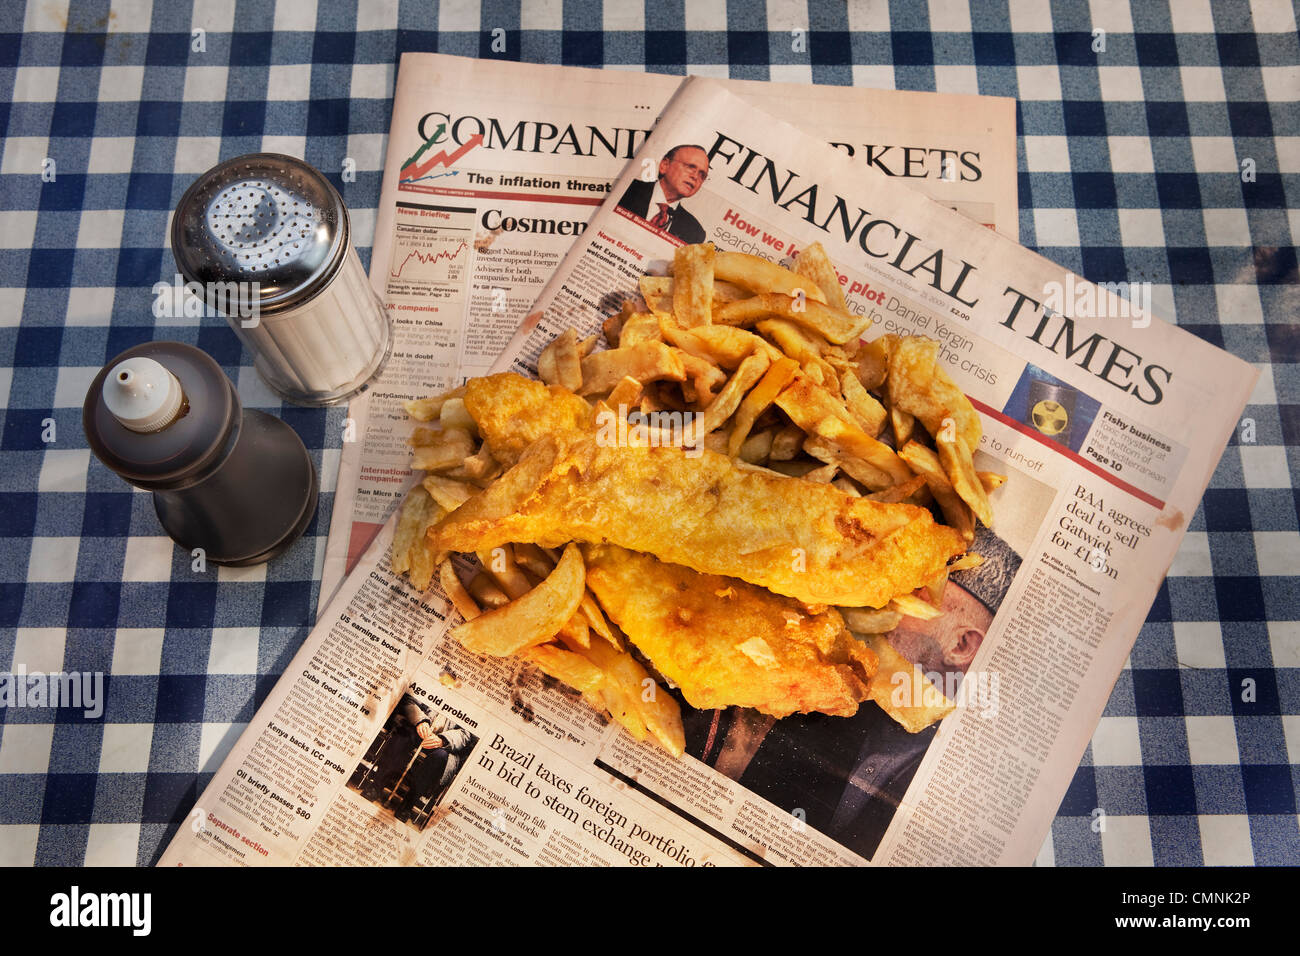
(573, 669)
(813, 263)
(446, 450)
(760, 276)
(449, 493)
(427, 409)
(533, 618)
(958, 465)
(926, 463)
(693, 285)
(645, 362)
(778, 375)
(837, 327)
(460, 598)
(903, 691)
(562, 361)
(410, 526)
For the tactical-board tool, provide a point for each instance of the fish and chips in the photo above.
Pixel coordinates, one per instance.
(731, 495)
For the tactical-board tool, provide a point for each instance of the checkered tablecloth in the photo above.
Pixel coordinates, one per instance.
(1164, 148)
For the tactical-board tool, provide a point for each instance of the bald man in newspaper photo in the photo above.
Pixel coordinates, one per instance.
(682, 172)
(848, 775)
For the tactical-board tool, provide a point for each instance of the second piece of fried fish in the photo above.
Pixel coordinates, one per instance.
(725, 642)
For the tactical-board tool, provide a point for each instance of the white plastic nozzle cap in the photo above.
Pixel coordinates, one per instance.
(142, 395)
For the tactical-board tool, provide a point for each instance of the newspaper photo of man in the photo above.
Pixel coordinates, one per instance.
(682, 172)
(412, 761)
(845, 776)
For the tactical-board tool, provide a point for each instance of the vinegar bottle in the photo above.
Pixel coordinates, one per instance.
(236, 483)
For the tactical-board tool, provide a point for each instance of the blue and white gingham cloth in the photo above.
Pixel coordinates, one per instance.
(1132, 145)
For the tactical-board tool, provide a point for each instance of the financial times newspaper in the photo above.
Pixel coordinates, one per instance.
(386, 742)
(493, 170)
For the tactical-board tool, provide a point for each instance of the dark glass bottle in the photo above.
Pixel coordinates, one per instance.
(236, 483)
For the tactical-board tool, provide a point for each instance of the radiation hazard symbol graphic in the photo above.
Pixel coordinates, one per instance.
(1050, 417)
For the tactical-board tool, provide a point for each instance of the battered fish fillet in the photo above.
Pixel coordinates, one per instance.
(512, 412)
(725, 642)
(808, 541)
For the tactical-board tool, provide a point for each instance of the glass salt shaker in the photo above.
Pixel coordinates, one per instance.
(267, 239)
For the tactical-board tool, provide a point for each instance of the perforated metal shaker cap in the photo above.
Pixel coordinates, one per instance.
(264, 218)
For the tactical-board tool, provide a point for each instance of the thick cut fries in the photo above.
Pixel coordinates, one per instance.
(574, 669)
(837, 327)
(813, 262)
(960, 468)
(645, 362)
(693, 285)
(634, 698)
(903, 691)
(926, 463)
(427, 409)
(534, 618)
(761, 276)
(776, 378)
(461, 599)
(561, 362)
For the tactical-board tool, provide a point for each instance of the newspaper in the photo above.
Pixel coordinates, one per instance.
(495, 167)
(385, 742)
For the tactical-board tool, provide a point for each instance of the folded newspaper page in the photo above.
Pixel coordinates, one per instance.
(494, 168)
(387, 742)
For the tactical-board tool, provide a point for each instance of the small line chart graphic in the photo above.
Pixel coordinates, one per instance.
(416, 259)
(413, 170)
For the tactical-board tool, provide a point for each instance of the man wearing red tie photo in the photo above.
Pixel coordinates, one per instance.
(682, 172)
